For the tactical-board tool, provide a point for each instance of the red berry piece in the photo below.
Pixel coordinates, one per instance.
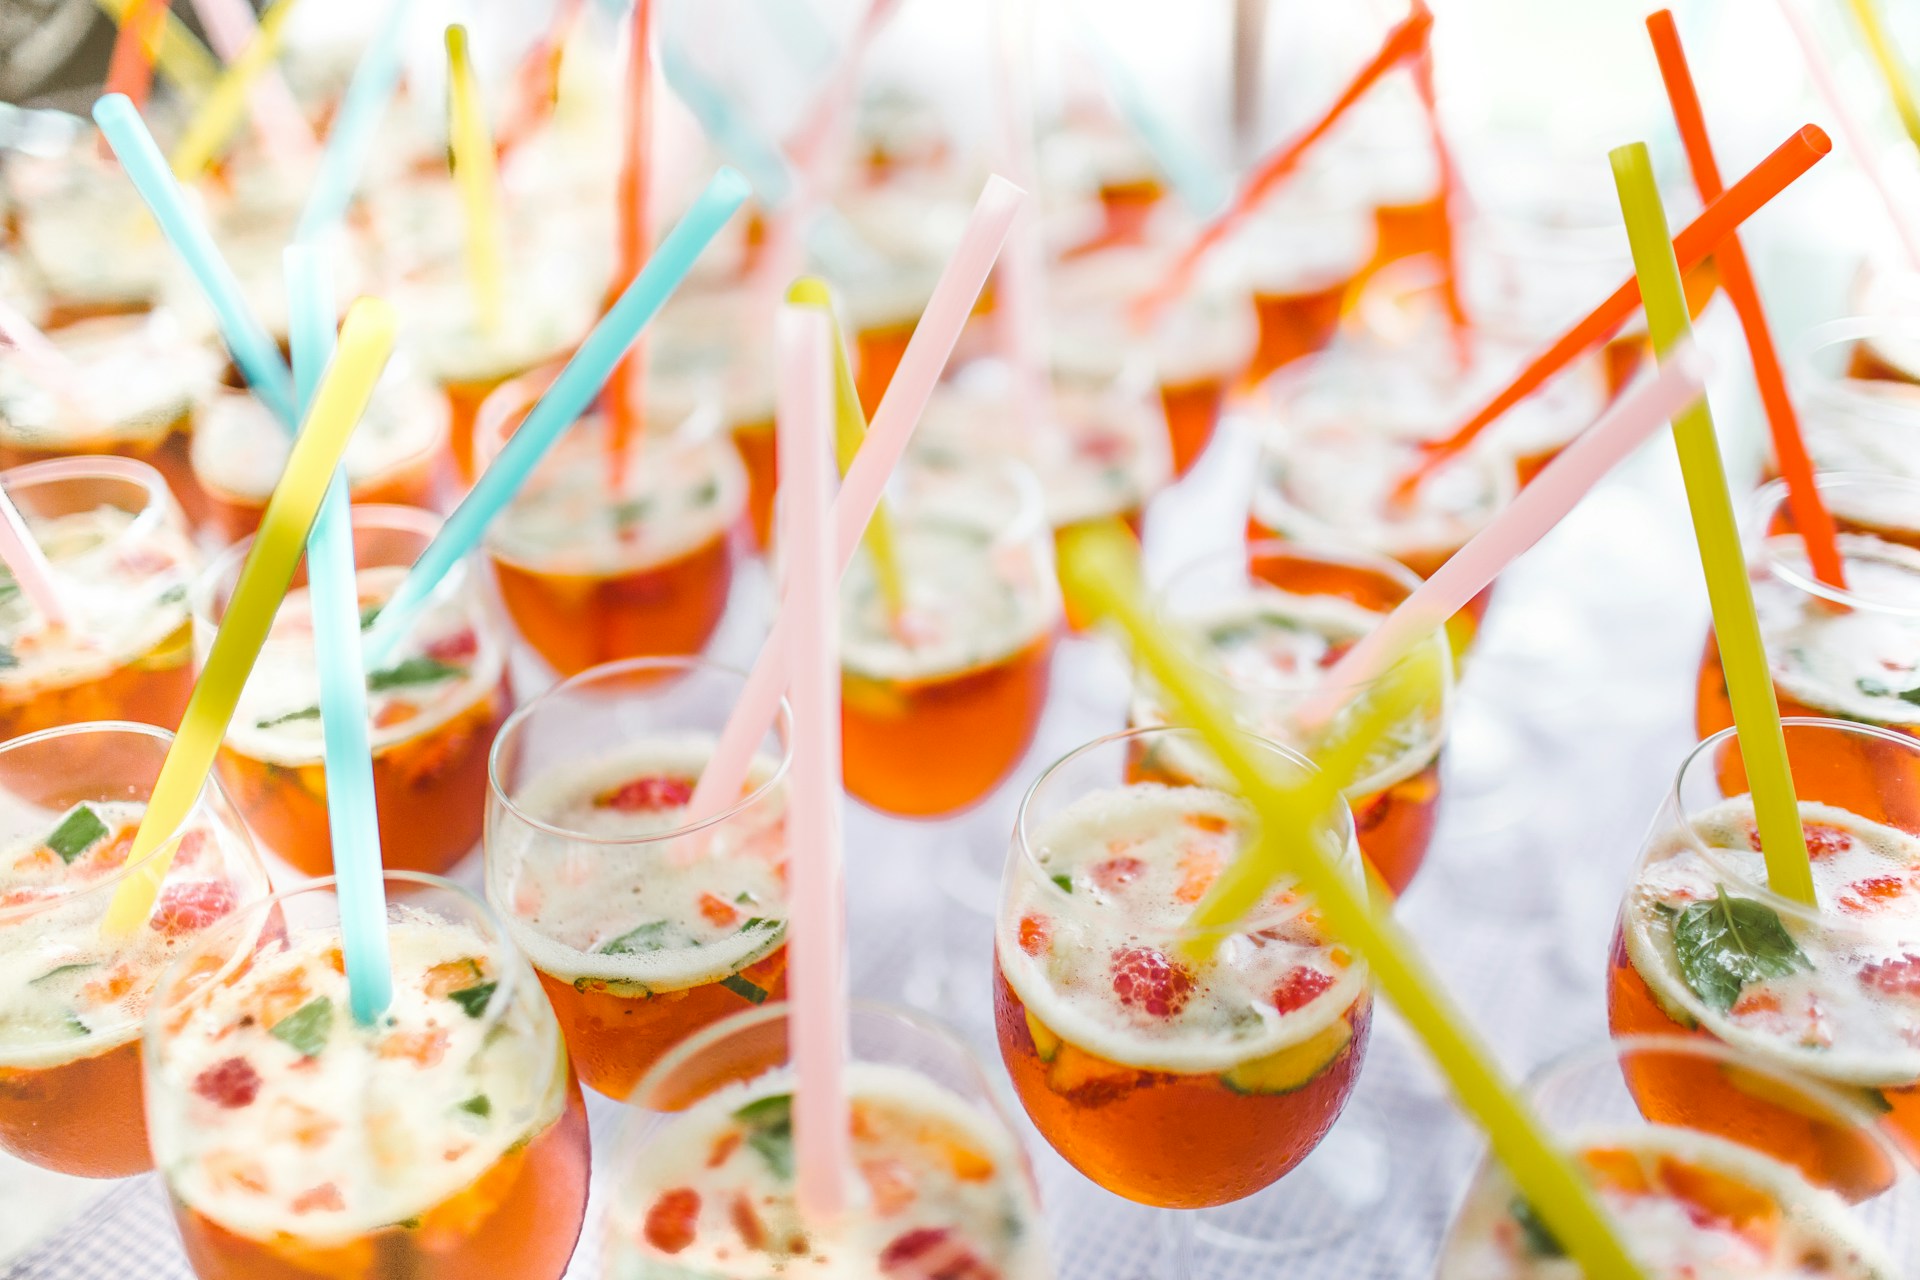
(671, 1221)
(644, 795)
(1301, 987)
(1116, 873)
(1036, 934)
(1147, 980)
(753, 1232)
(1872, 894)
(1823, 841)
(188, 906)
(1897, 977)
(232, 1084)
(456, 650)
(932, 1253)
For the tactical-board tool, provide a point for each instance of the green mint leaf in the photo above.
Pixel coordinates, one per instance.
(53, 973)
(1065, 882)
(478, 1105)
(769, 1123)
(76, 833)
(306, 1029)
(7, 659)
(745, 990)
(706, 494)
(1724, 944)
(474, 999)
(415, 670)
(1540, 1239)
(368, 613)
(274, 722)
(656, 935)
(759, 922)
(174, 594)
(78, 1027)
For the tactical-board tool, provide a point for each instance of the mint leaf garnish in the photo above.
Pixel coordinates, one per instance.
(274, 722)
(174, 594)
(656, 935)
(769, 1123)
(1724, 944)
(1065, 882)
(306, 1029)
(56, 971)
(7, 659)
(368, 613)
(1540, 1239)
(419, 669)
(474, 999)
(745, 990)
(76, 833)
(478, 1105)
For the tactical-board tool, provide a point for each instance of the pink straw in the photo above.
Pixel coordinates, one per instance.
(277, 116)
(23, 556)
(1023, 308)
(817, 979)
(900, 408)
(1535, 510)
(819, 135)
(1857, 136)
(46, 363)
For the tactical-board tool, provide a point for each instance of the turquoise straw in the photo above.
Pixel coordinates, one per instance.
(727, 126)
(354, 126)
(1203, 189)
(253, 347)
(579, 382)
(334, 589)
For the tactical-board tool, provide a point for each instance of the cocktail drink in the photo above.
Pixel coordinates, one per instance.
(446, 1139)
(1692, 1202)
(122, 563)
(85, 244)
(1704, 948)
(703, 1183)
(592, 569)
(1851, 652)
(1859, 412)
(1303, 251)
(643, 928)
(434, 708)
(1384, 147)
(1887, 300)
(71, 994)
(711, 345)
(1272, 619)
(1120, 1047)
(900, 133)
(396, 455)
(960, 676)
(138, 381)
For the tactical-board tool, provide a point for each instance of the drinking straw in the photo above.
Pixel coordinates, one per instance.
(1449, 205)
(1021, 284)
(28, 564)
(470, 153)
(1523, 522)
(1886, 59)
(817, 139)
(537, 79)
(46, 362)
(1695, 243)
(727, 126)
(174, 49)
(254, 350)
(1810, 515)
(350, 137)
(1249, 48)
(1860, 142)
(135, 45)
(1200, 186)
(213, 125)
(1404, 41)
(366, 339)
(557, 409)
(277, 117)
(624, 404)
(818, 986)
(849, 431)
(333, 586)
(1099, 565)
(1756, 715)
(959, 286)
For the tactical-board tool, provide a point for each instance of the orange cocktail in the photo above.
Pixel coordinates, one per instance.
(643, 930)
(65, 201)
(70, 1085)
(445, 1141)
(1303, 259)
(1860, 410)
(434, 708)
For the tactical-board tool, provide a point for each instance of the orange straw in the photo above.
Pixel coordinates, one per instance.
(624, 409)
(1692, 246)
(1405, 41)
(130, 71)
(1810, 515)
(1449, 208)
(537, 81)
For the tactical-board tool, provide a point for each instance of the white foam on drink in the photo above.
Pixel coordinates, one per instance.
(1859, 664)
(567, 902)
(1208, 333)
(441, 324)
(140, 377)
(68, 209)
(1230, 1017)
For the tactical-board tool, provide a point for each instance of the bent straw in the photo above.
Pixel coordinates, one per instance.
(1523, 522)
(254, 350)
(1100, 566)
(562, 404)
(1200, 186)
(1886, 59)
(849, 430)
(333, 587)
(135, 45)
(176, 51)
(1810, 515)
(1756, 714)
(277, 117)
(365, 342)
(1692, 246)
(212, 126)
(1401, 43)
(28, 564)
(817, 1024)
(961, 281)
(1860, 142)
(351, 135)
(470, 153)
(624, 391)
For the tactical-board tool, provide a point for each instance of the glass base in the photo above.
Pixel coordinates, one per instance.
(1341, 1186)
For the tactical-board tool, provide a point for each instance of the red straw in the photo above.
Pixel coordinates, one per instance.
(130, 70)
(1405, 41)
(1810, 515)
(624, 408)
(1692, 246)
(537, 80)
(1449, 206)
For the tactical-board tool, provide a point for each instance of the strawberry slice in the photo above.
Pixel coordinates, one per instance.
(646, 795)
(188, 906)
(1116, 873)
(456, 650)
(1036, 934)
(1873, 894)
(672, 1219)
(1301, 987)
(933, 1253)
(1899, 976)
(231, 1084)
(1823, 840)
(1146, 979)
(717, 911)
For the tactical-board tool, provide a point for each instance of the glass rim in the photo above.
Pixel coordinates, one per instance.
(1029, 520)
(704, 418)
(1772, 496)
(782, 720)
(98, 466)
(1849, 331)
(391, 517)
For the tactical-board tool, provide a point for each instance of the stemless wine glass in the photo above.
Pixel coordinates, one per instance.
(1704, 947)
(1176, 1082)
(703, 1178)
(446, 1139)
(70, 799)
(642, 927)
(1691, 1199)
(434, 709)
(1861, 405)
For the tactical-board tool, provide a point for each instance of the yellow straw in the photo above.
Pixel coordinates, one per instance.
(474, 173)
(180, 55)
(1887, 59)
(849, 429)
(1101, 570)
(208, 132)
(366, 339)
(1756, 714)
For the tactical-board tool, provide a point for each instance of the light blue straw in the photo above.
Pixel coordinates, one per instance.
(354, 126)
(334, 588)
(727, 126)
(1203, 189)
(579, 382)
(253, 347)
